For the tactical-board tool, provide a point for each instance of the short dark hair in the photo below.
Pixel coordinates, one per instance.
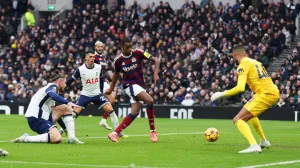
(239, 47)
(89, 52)
(126, 40)
(56, 75)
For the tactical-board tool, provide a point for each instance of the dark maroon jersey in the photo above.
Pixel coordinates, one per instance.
(132, 67)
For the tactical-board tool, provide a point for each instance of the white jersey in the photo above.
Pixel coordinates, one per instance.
(40, 104)
(90, 79)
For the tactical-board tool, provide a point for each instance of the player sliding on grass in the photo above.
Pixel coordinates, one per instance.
(266, 94)
(130, 64)
(89, 74)
(42, 114)
(3, 152)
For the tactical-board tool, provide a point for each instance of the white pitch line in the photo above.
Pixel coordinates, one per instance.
(139, 135)
(77, 165)
(272, 164)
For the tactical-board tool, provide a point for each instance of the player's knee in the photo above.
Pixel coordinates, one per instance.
(235, 119)
(68, 110)
(56, 139)
(150, 101)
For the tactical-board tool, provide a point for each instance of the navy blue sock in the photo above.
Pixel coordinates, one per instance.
(62, 124)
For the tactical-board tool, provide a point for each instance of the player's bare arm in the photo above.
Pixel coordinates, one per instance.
(113, 83)
(156, 69)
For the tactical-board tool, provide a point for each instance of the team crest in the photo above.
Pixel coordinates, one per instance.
(240, 71)
(123, 63)
(133, 59)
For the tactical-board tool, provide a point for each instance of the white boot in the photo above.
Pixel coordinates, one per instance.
(75, 141)
(252, 149)
(3, 152)
(104, 124)
(21, 139)
(264, 144)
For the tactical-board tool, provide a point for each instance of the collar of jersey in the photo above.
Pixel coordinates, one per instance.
(126, 56)
(98, 54)
(88, 67)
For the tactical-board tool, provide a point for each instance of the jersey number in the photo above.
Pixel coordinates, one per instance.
(102, 98)
(261, 73)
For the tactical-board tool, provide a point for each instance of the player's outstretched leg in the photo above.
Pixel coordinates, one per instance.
(107, 108)
(3, 152)
(264, 143)
(115, 121)
(150, 112)
(53, 136)
(135, 110)
(245, 130)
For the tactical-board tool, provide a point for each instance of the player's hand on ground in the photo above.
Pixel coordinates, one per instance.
(216, 96)
(73, 105)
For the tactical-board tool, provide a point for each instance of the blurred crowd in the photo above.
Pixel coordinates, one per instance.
(193, 43)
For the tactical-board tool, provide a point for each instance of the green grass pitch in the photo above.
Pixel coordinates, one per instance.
(181, 144)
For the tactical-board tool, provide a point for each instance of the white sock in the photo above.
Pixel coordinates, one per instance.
(114, 119)
(37, 138)
(69, 122)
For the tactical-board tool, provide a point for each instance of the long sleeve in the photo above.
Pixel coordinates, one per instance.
(58, 98)
(240, 87)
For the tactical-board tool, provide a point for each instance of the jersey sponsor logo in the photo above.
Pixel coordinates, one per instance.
(146, 54)
(92, 81)
(132, 67)
(133, 59)
(240, 71)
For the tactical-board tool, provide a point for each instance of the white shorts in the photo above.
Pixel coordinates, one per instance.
(105, 86)
(132, 91)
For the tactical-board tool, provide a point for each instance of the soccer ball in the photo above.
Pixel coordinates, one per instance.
(212, 134)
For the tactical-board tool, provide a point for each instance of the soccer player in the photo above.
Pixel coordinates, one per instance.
(3, 152)
(100, 59)
(266, 94)
(42, 113)
(89, 74)
(130, 64)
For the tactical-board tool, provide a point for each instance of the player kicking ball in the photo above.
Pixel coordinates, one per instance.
(89, 74)
(130, 64)
(42, 113)
(3, 152)
(266, 94)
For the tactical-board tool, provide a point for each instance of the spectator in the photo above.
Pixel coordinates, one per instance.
(29, 17)
(206, 101)
(188, 101)
(193, 44)
(281, 103)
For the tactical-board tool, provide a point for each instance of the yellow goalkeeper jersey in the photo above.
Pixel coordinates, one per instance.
(256, 76)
